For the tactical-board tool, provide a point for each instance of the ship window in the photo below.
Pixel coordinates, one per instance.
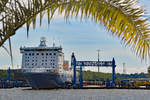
(42, 54)
(33, 60)
(54, 53)
(42, 60)
(42, 63)
(46, 53)
(29, 54)
(32, 54)
(50, 53)
(45, 63)
(37, 53)
(36, 60)
(25, 53)
(32, 63)
(45, 60)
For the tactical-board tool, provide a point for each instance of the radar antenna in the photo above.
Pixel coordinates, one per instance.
(124, 68)
(42, 42)
(43, 39)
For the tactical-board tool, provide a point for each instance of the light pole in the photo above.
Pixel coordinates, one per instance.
(124, 69)
(98, 59)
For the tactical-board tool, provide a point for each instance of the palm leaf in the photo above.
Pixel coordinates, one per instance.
(5, 49)
(10, 49)
(122, 17)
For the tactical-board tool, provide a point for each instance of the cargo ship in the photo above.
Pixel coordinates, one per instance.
(44, 67)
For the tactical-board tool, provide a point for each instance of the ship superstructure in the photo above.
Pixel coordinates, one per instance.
(43, 66)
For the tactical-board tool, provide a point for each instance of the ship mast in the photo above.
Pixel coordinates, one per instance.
(53, 42)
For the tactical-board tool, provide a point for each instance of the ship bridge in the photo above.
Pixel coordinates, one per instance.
(42, 47)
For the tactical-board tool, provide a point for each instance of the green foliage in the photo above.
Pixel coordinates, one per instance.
(4, 75)
(96, 76)
(100, 76)
(122, 17)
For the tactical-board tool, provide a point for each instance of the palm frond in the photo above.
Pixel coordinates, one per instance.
(122, 17)
(9, 52)
(5, 49)
(10, 49)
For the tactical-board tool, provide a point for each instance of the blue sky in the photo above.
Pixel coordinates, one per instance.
(82, 37)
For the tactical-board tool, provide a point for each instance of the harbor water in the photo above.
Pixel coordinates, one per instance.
(74, 94)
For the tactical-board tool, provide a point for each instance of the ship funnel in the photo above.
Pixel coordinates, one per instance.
(42, 42)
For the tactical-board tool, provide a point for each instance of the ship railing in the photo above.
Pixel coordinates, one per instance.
(38, 70)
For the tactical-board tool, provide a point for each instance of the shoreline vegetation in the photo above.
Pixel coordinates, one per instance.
(100, 76)
(87, 75)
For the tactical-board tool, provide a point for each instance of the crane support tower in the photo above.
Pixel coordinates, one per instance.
(76, 63)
